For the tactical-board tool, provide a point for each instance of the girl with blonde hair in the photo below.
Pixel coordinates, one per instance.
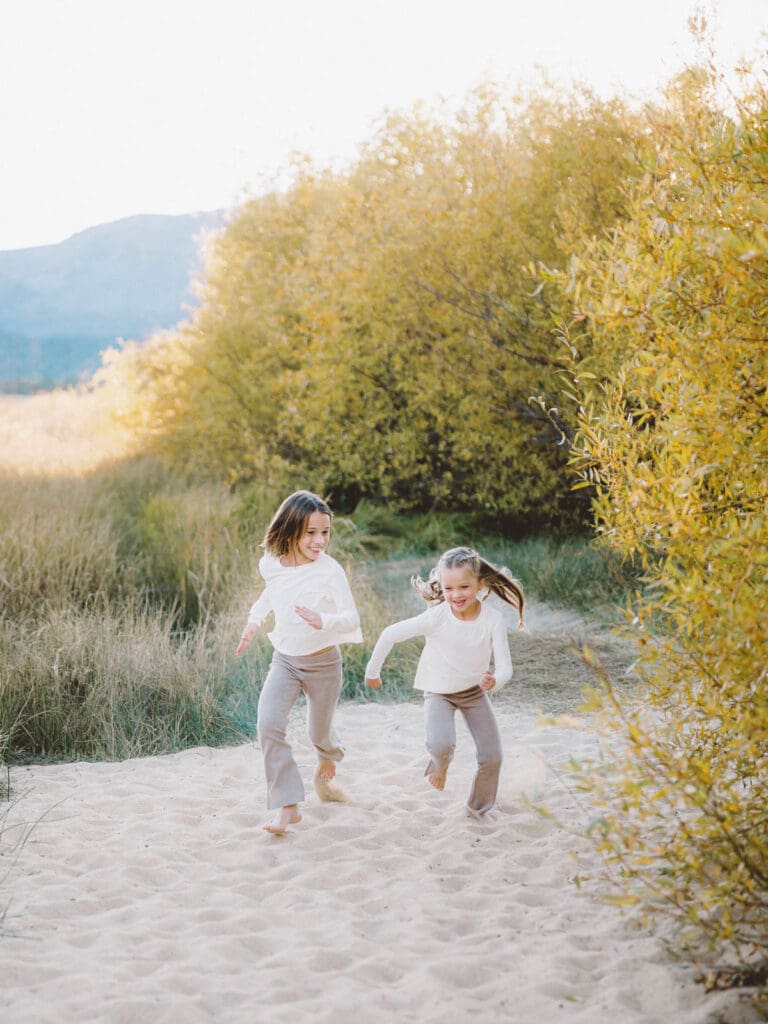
(462, 634)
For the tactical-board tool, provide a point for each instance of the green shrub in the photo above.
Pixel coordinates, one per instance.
(100, 684)
(674, 432)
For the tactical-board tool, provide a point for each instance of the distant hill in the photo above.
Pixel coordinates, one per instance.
(61, 305)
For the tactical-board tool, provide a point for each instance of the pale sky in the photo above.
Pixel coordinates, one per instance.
(110, 108)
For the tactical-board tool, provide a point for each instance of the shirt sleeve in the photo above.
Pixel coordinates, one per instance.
(260, 609)
(406, 629)
(346, 619)
(502, 660)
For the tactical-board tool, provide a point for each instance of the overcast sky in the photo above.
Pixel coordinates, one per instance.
(115, 107)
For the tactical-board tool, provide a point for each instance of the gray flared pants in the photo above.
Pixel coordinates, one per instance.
(474, 704)
(319, 676)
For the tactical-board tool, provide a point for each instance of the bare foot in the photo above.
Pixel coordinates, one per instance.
(281, 819)
(327, 791)
(326, 769)
(437, 779)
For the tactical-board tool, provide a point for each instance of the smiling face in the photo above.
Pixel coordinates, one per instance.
(460, 588)
(313, 540)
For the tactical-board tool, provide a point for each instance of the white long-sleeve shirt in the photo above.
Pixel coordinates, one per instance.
(456, 652)
(321, 586)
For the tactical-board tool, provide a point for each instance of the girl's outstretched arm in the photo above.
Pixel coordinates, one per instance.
(260, 609)
(248, 634)
(407, 629)
(502, 660)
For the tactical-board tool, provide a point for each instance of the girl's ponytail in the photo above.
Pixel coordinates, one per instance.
(505, 586)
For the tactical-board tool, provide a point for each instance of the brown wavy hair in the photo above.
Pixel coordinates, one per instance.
(290, 521)
(497, 581)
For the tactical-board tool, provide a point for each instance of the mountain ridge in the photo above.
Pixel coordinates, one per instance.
(61, 305)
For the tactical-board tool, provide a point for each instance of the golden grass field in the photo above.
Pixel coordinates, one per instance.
(59, 432)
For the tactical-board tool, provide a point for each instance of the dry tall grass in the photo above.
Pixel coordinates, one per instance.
(64, 432)
(123, 589)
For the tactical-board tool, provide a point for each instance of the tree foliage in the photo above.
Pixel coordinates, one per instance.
(675, 430)
(380, 331)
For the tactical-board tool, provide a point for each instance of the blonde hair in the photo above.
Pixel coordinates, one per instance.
(497, 581)
(290, 521)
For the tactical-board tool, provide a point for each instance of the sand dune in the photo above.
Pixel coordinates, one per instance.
(147, 892)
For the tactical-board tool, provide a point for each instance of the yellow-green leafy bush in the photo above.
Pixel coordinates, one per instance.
(377, 333)
(675, 432)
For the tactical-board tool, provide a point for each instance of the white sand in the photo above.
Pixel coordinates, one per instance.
(148, 892)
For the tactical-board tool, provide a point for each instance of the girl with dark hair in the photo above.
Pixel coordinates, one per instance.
(314, 611)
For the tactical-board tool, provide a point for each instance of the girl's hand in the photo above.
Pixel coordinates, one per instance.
(311, 618)
(374, 684)
(488, 681)
(248, 634)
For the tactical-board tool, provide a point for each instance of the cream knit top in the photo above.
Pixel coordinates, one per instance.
(457, 652)
(321, 586)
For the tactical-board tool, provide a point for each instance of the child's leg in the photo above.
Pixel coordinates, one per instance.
(322, 682)
(481, 722)
(440, 727)
(278, 695)
(321, 679)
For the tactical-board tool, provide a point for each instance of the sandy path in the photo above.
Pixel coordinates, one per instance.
(148, 892)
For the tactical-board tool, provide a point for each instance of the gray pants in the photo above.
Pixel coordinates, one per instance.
(319, 676)
(440, 709)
